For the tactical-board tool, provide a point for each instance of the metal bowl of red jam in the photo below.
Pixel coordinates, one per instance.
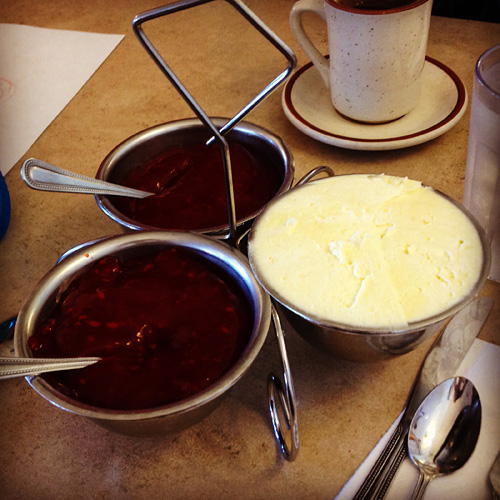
(176, 318)
(173, 161)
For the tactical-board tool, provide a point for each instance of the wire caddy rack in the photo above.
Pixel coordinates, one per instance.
(281, 394)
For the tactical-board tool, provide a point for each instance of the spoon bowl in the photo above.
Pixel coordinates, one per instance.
(444, 430)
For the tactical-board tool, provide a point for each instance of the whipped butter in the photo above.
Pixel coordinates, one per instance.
(366, 251)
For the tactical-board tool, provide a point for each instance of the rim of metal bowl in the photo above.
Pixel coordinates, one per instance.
(360, 330)
(59, 276)
(128, 145)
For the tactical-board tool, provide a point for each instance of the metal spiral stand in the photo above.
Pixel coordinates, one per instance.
(283, 392)
(278, 390)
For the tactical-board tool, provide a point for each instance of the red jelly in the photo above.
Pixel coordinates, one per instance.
(166, 327)
(189, 187)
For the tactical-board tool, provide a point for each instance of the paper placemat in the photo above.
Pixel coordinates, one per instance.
(41, 70)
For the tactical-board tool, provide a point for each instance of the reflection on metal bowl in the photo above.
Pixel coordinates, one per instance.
(170, 417)
(361, 346)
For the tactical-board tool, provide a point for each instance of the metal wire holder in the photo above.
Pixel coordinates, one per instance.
(277, 390)
(218, 135)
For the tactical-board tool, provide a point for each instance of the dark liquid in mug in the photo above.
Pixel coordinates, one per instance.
(374, 4)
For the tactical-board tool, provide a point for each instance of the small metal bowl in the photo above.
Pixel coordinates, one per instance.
(370, 344)
(142, 147)
(175, 416)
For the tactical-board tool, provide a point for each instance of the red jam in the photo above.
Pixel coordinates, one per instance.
(166, 326)
(189, 187)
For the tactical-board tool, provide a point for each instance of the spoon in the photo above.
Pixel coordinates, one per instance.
(444, 430)
(40, 175)
(21, 367)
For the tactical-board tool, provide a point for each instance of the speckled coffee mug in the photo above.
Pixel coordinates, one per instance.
(377, 54)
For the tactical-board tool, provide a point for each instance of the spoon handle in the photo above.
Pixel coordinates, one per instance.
(21, 367)
(45, 177)
(421, 486)
(399, 454)
(380, 476)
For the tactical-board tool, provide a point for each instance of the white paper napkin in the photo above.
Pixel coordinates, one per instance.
(41, 70)
(482, 367)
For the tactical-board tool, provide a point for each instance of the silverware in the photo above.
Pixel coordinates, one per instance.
(21, 367)
(494, 478)
(444, 431)
(441, 363)
(46, 177)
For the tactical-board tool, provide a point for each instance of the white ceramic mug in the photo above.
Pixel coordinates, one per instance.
(374, 71)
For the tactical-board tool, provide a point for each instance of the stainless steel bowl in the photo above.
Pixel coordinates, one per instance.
(175, 416)
(370, 344)
(149, 143)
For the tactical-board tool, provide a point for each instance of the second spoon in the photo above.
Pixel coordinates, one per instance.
(444, 430)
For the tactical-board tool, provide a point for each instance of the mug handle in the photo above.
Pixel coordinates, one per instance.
(317, 7)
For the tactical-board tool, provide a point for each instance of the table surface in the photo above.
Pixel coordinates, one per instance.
(343, 407)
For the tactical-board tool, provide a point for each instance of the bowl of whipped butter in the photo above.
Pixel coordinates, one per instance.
(367, 267)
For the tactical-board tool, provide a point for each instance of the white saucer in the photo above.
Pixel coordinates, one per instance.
(443, 100)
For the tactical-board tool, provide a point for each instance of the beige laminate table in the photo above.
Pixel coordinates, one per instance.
(343, 407)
